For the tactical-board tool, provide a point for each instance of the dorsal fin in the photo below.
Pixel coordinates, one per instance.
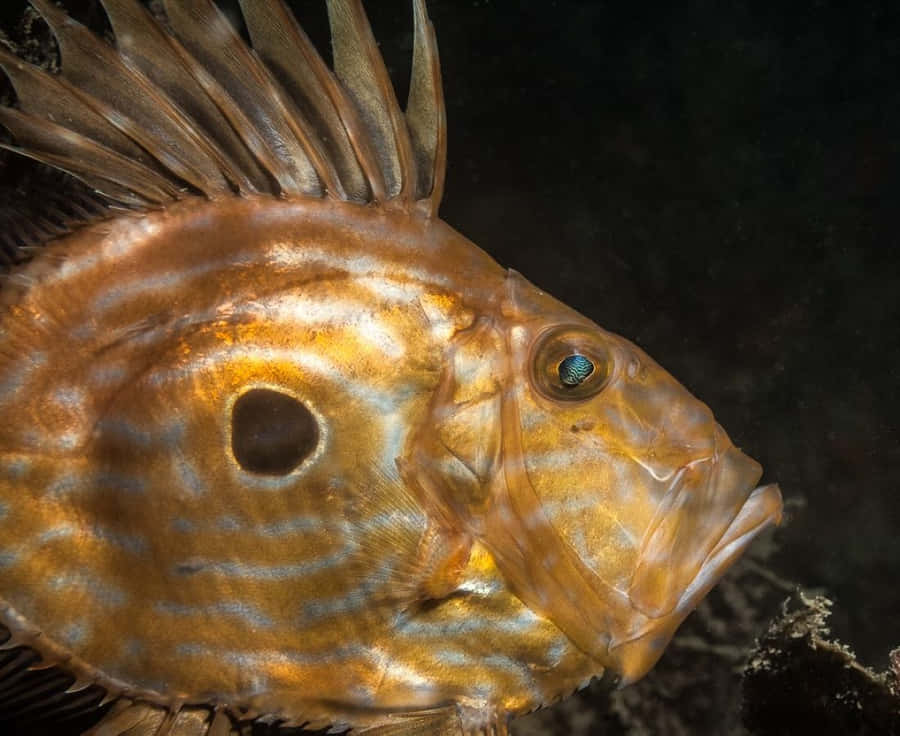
(65, 149)
(194, 111)
(142, 42)
(291, 152)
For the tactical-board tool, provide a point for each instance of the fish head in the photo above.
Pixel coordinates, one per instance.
(634, 499)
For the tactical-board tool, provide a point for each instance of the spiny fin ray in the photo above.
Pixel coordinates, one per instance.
(425, 112)
(86, 158)
(44, 95)
(293, 155)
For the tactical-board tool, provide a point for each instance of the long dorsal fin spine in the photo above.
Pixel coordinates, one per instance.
(51, 97)
(211, 39)
(110, 190)
(93, 158)
(426, 112)
(244, 128)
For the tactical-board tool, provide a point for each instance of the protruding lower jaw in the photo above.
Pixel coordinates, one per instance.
(633, 658)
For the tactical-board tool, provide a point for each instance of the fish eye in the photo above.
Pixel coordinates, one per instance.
(271, 432)
(574, 370)
(570, 363)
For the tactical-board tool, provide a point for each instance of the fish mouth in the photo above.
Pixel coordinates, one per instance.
(704, 525)
(762, 508)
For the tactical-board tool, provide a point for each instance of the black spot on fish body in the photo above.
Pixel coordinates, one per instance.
(271, 432)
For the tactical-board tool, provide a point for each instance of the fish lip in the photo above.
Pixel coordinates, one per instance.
(762, 507)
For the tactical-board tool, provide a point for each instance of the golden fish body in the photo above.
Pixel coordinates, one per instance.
(317, 456)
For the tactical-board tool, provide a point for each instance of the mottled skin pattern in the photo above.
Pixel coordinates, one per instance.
(466, 541)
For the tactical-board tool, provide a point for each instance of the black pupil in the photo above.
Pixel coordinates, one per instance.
(271, 432)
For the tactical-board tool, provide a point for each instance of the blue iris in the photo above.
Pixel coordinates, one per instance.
(574, 370)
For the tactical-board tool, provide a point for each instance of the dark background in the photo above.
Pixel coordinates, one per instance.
(718, 182)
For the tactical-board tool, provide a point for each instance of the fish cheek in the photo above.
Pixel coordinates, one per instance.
(272, 433)
(589, 488)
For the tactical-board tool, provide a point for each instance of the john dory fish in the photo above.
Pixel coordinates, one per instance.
(280, 444)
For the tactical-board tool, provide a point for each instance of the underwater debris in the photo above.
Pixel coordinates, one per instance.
(800, 681)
